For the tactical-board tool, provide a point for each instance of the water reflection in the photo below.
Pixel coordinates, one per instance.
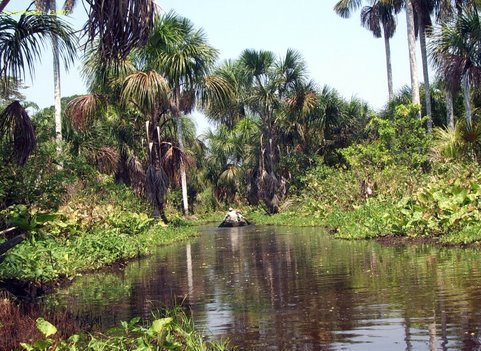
(298, 289)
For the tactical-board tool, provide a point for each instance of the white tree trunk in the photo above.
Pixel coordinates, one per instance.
(427, 85)
(58, 100)
(467, 99)
(449, 109)
(387, 46)
(183, 176)
(57, 90)
(412, 53)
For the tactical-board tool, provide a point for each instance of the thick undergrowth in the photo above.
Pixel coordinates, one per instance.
(96, 226)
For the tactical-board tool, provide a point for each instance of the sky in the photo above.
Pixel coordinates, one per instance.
(338, 52)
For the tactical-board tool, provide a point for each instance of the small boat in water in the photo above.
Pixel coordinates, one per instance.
(229, 224)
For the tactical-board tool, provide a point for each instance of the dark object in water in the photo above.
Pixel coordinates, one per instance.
(229, 224)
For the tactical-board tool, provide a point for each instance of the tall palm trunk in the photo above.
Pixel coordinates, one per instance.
(387, 47)
(58, 100)
(268, 177)
(412, 53)
(57, 91)
(180, 139)
(449, 109)
(427, 86)
(183, 175)
(448, 92)
(467, 99)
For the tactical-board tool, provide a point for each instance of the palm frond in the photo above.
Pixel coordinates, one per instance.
(106, 159)
(119, 26)
(83, 109)
(145, 89)
(103, 76)
(344, 8)
(16, 127)
(22, 41)
(172, 157)
(229, 176)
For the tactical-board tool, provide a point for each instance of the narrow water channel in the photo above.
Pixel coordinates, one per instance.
(278, 288)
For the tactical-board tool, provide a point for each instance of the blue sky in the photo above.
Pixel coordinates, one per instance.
(338, 52)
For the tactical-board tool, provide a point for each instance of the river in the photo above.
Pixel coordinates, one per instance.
(281, 288)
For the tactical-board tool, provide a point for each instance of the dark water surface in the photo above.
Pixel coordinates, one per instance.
(278, 288)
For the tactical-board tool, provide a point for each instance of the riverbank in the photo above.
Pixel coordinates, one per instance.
(442, 206)
(97, 226)
(169, 329)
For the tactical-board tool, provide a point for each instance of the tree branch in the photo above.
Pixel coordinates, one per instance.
(9, 244)
(3, 4)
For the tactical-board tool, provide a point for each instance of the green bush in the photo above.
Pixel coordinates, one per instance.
(401, 140)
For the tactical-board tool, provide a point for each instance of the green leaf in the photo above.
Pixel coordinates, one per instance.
(74, 339)
(46, 327)
(41, 218)
(159, 324)
(26, 346)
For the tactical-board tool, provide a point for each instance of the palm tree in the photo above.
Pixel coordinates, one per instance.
(382, 15)
(230, 159)
(22, 41)
(272, 80)
(379, 19)
(445, 10)
(410, 21)
(20, 46)
(423, 11)
(230, 111)
(411, 34)
(454, 51)
(181, 54)
(49, 7)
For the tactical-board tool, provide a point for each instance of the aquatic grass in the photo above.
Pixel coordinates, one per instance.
(290, 218)
(467, 235)
(170, 329)
(369, 220)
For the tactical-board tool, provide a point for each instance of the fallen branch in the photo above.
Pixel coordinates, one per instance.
(7, 230)
(9, 244)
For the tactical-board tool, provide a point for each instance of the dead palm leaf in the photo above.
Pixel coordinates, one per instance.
(136, 175)
(83, 109)
(172, 157)
(156, 185)
(16, 128)
(119, 26)
(106, 159)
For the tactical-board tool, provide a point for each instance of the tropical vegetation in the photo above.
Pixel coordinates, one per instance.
(108, 176)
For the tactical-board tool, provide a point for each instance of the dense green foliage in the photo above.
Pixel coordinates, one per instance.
(413, 194)
(100, 224)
